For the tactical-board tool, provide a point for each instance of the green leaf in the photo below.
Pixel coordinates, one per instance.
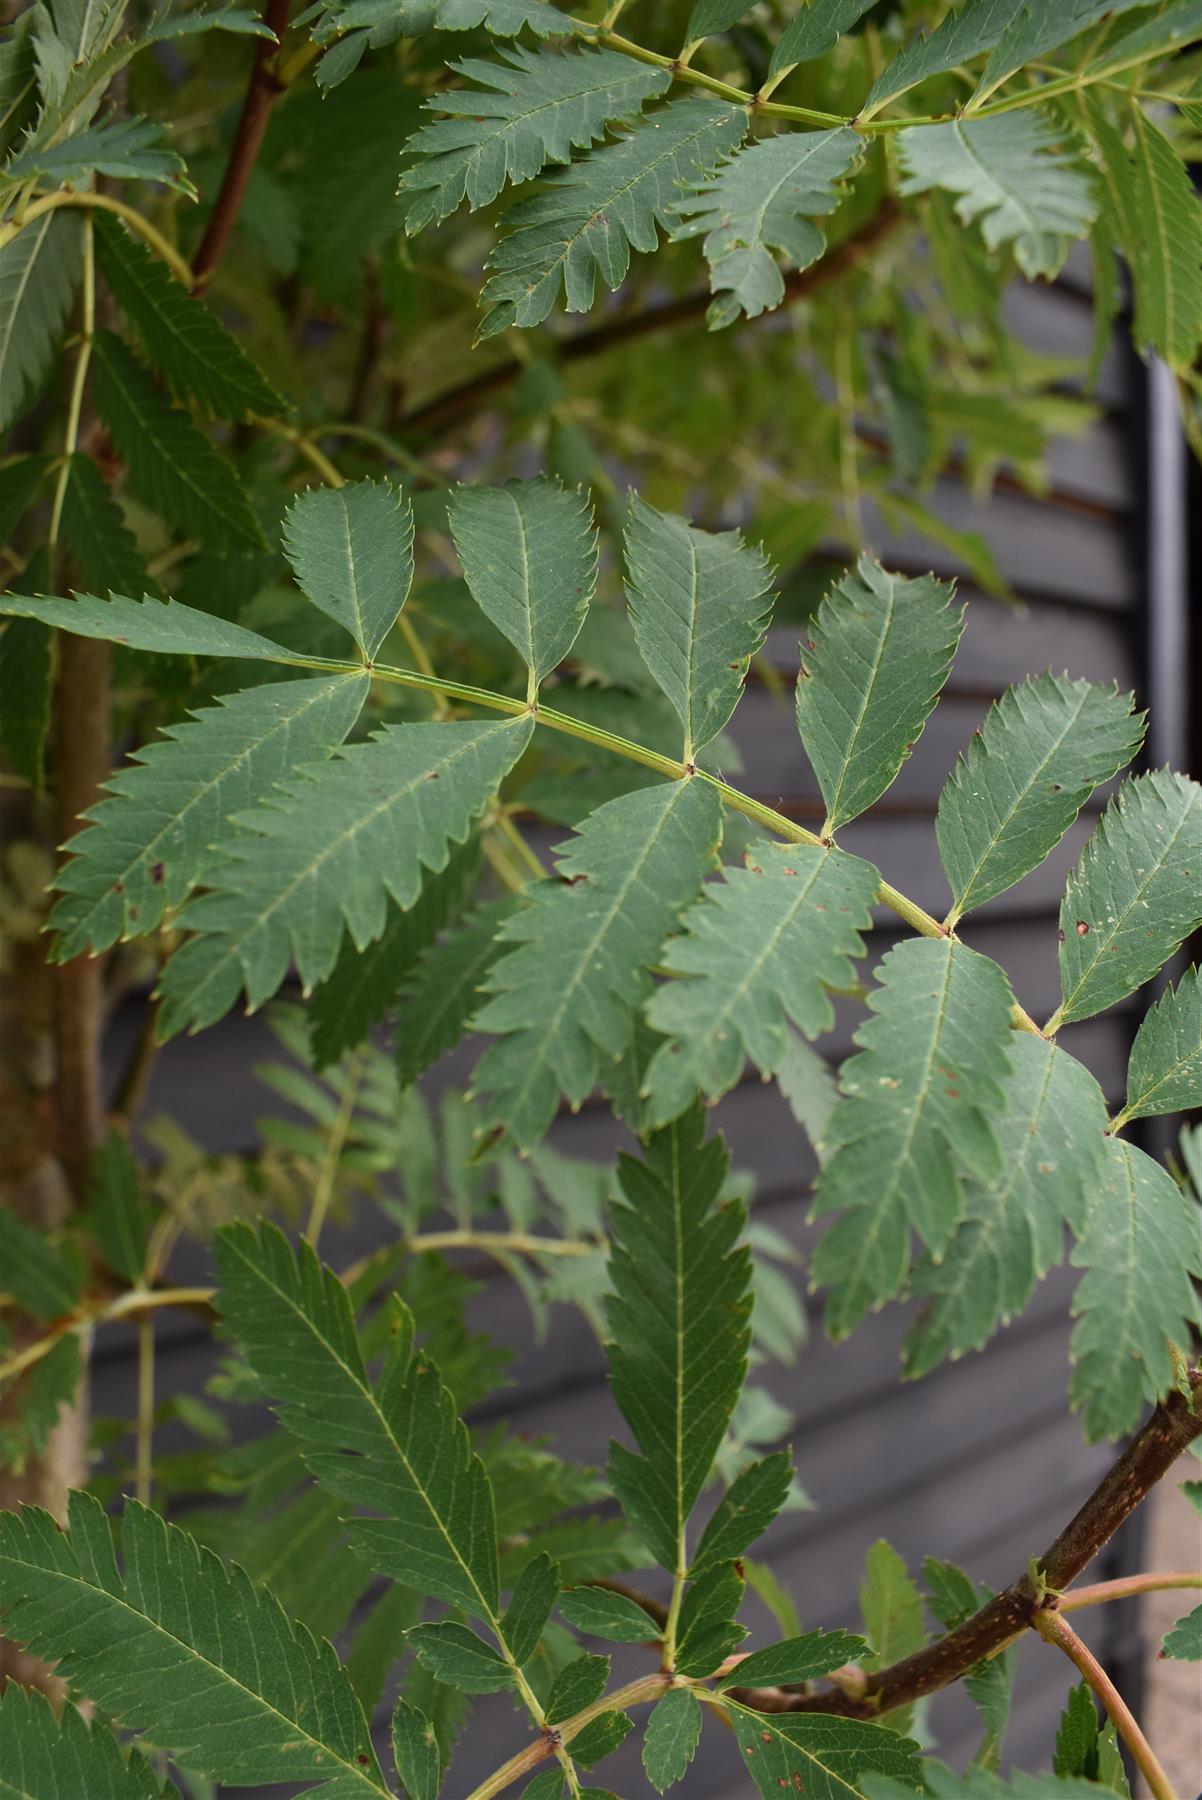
(59, 1757)
(671, 1738)
(829, 1756)
(1043, 748)
(25, 675)
(680, 1304)
(954, 1597)
(876, 656)
(602, 1614)
(118, 1217)
(603, 1734)
(806, 1081)
(504, 18)
(202, 363)
(171, 465)
(329, 847)
(35, 1272)
(1133, 897)
(39, 270)
(1035, 31)
(415, 1752)
(34, 1401)
(373, 1653)
(457, 1656)
(918, 1112)
(1013, 1227)
(710, 17)
(1184, 1642)
(185, 1649)
(104, 551)
(351, 549)
(529, 553)
(576, 1686)
(164, 626)
(763, 200)
(699, 605)
(816, 29)
(444, 989)
(961, 34)
(1085, 1750)
(797, 1659)
(759, 949)
(941, 1783)
(1165, 1071)
(528, 108)
(564, 998)
(363, 985)
(397, 1447)
(126, 149)
(891, 1608)
(707, 1631)
(530, 1607)
(1005, 172)
(1164, 257)
(588, 219)
(19, 482)
(746, 1510)
(148, 844)
(1140, 1245)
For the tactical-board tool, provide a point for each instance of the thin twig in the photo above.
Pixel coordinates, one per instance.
(323, 1192)
(263, 90)
(144, 1458)
(1055, 1630)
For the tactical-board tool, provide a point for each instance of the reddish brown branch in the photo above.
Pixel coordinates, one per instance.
(457, 402)
(262, 93)
(1172, 1427)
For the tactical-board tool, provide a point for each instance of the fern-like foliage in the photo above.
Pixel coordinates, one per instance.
(184, 1649)
(563, 999)
(763, 947)
(918, 1108)
(148, 844)
(764, 199)
(529, 108)
(589, 219)
(329, 849)
(1005, 172)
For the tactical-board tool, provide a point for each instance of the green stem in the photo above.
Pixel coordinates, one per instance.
(1127, 1585)
(524, 1243)
(144, 1459)
(635, 1693)
(1055, 1630)
(78, 384)
(505, 825)
(105, 202)
(323, 1193)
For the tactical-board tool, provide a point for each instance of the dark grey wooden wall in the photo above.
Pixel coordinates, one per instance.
(980, 1461)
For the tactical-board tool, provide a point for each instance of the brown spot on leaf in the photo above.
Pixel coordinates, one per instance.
(1082, 928)
(157, 874)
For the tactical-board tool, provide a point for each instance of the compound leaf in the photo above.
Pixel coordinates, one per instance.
(762, 947)
(39, 270)
(1035, 31)
(529, 554)
(172, 465)
(396, 1446)
(588, 219)
(165, 626)
(1134, 896)
(1165, 1071)
(828, 1755)
(699, 606)
(1005, 172)
(1139, 1247)
(763, 200)
(679, 1325)
(876, 656)
(1013, 1227)
(330, 846)
(58, 1757)
(961, 34)
(528, 108)
(202, 363)
(147, 845)
(563, 999)
(918, 1113)
(1043, 748)
(185, 1649)
(351, 550)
